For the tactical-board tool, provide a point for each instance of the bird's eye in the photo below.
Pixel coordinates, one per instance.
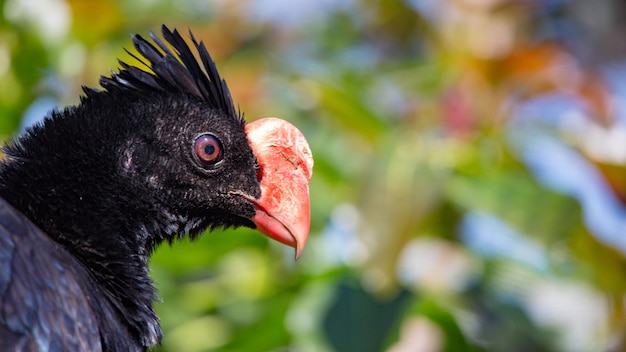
(208, 149)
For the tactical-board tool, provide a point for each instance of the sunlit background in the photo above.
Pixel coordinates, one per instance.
(469, 187)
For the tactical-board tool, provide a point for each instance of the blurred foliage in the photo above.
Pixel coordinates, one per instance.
(432, 228)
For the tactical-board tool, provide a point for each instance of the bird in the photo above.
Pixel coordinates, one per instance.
(156, 154)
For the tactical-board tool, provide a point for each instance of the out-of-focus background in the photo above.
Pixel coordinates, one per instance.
(469, 189)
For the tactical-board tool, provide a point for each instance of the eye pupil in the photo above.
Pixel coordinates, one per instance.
(208, 149)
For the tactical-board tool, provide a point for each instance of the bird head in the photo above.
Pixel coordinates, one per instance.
(212, 167)
(173, 157)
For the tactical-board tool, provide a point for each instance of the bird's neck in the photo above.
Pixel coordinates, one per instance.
(115, 252)
(109, 225)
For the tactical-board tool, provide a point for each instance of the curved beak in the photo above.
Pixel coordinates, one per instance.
(286, 165)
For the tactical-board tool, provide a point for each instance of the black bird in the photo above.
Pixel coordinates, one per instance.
(89, 193)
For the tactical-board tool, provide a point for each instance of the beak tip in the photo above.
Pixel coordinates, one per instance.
(299, 250)
(301, 235)
(294, 236)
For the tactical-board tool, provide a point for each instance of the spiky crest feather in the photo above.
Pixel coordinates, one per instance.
(173, 72)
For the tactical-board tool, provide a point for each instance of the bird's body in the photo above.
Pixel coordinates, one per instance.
(50, 302)
(88, 194)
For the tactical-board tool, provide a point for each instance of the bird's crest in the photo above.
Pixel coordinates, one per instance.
(173, 72)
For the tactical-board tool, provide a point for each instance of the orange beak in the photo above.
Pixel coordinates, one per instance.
(286, 165)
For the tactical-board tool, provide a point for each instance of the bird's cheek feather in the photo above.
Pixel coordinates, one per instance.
(283, 210)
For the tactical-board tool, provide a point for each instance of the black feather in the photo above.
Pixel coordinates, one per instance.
(174, 71)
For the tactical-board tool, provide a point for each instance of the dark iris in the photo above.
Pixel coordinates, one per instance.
(208, 149)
